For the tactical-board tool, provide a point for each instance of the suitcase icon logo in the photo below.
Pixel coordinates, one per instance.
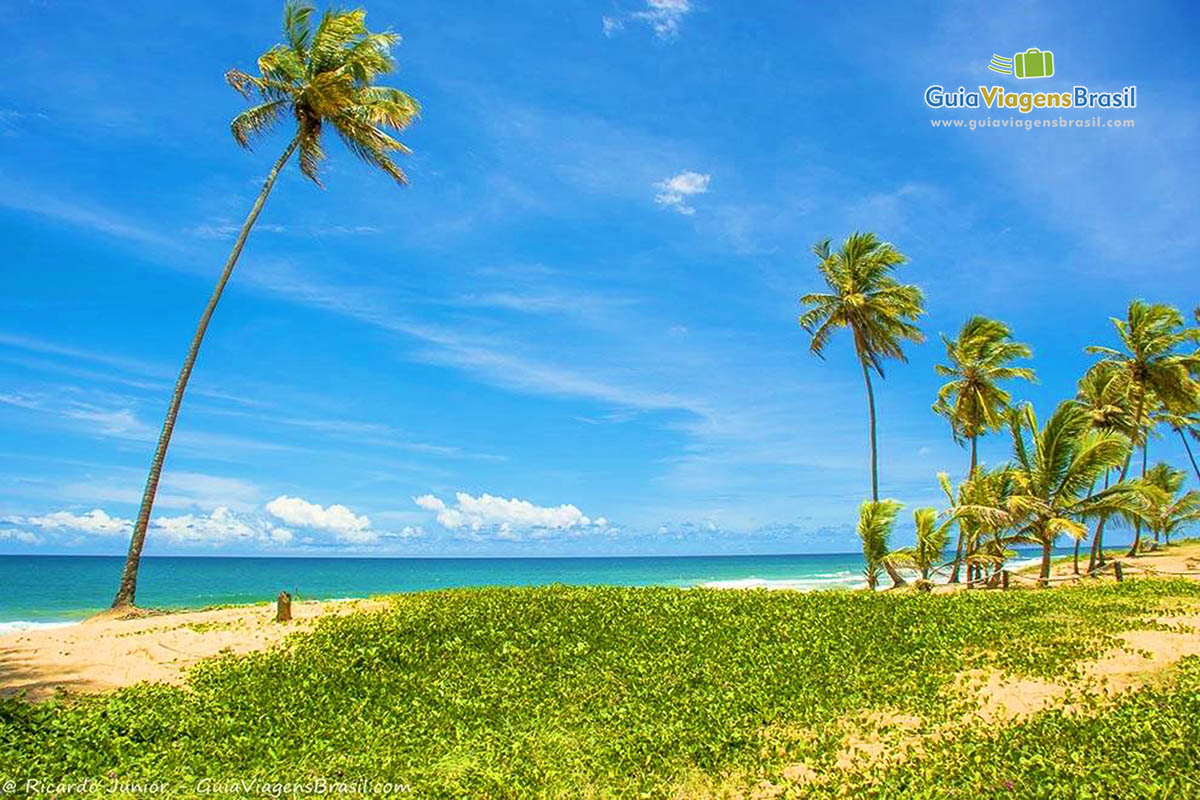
(1033, 63)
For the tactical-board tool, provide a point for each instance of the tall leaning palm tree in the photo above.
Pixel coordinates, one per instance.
(972, 400)
(865, 298)
(320, 77)
(1150, 359)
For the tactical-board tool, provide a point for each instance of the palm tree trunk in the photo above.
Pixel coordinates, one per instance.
(871, 414)
(1077, 556)
(958, 548)
(1044, 573)
(1097, 557)
(127, 590)
(1137, 522)
(1188, 447)
(894, 574)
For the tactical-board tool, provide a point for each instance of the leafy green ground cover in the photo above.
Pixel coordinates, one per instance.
(620, 692)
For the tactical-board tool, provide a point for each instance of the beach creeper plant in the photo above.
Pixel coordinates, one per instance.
(973, 400)
(321, 77)
(865, 298)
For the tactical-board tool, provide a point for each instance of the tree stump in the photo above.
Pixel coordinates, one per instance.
(1004, 579)
(283, 607)
(1119, 571)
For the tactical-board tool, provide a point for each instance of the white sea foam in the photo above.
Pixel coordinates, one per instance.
(824, 580)
(1013, 566)
(17, 625)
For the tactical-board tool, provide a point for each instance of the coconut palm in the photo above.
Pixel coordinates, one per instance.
(321, 77)
(1055, 468)
(867, 300)
(1151, 336)
(973, 400)
(983, 506)
(1103, 394)
(876, 518)
(1169, 508)
(926, 552)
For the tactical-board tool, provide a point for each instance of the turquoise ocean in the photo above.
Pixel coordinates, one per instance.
(54, 590)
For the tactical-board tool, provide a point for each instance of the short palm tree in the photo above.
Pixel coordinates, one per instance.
(1055, 469)
(984, 508)
(973, 400)
(321, 77)
(876, 518)
(1169, 508)
(926, 552)
(867, 300)
(1151, 336)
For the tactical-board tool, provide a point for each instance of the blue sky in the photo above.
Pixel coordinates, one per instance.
(575, 331)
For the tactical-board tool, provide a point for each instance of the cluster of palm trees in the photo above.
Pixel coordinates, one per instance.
(1071, 471)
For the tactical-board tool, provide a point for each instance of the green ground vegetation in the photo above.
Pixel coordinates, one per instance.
(626, 692)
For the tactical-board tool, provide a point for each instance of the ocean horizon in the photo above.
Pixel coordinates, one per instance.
(46, 590)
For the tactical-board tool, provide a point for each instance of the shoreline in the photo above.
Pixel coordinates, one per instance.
(104, 653)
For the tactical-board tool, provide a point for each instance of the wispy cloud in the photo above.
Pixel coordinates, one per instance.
(663, 17)
(676, 191)
(229, 229)
(95, 521)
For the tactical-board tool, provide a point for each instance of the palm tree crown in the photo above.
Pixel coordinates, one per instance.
(1103, 394)
(325, 76)
(1151, 335)
(979, 359)
(864, 297)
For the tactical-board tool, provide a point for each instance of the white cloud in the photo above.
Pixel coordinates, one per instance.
(674, 192)
(663, 16)
(94, 521)
(336, 518)
(507, 516)
(219, 527)
(24, 537)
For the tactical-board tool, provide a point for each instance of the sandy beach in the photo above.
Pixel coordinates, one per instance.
(104, 653)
